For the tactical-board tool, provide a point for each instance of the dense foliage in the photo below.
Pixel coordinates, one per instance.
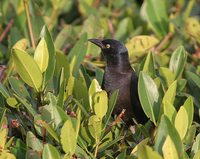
(51, 101)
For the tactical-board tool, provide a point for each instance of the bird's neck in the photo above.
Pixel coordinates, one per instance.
(119, 63)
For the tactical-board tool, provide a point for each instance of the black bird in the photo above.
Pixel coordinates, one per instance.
(120, 75)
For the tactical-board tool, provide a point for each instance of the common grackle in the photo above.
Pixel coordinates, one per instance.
(120, 75)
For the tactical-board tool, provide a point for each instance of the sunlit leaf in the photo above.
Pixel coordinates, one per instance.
(100, 101)
(94, 87)
(146, 152)
(68, 137)
(169, 149)
(27, 68)
(181, 122)
(41, 55)
(138, 45)
(169, 110)
(170, 93)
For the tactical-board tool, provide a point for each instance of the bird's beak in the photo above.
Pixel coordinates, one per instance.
(97, 42)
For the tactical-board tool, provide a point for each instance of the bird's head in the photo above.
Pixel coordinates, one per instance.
(110, 47)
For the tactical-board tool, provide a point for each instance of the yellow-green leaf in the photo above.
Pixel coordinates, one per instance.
(146, 152)
(27, 68)
(170, 93)
(3, 138)
(197, 155)
(169, 110)
(167, 75)
(68, 137)
(94, 125)
(100, 104)
(140, 44)
(11, 101)
(181, 122)
(169, 149)
(94, 87)
(21, 44)
(189, 107)
(6, 155)
(41, 55)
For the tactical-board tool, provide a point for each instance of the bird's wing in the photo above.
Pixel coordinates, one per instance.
(138, 111)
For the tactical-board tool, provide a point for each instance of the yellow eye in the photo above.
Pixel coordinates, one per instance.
(107, 46)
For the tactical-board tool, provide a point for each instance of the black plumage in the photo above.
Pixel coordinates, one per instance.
(120, 75)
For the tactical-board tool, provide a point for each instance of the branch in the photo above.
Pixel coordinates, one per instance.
(29, 23)
(6, 30)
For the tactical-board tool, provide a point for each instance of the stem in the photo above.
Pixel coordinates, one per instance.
(165, 40)
(6, 30)
(96, 148)
(188, 9)
(29, 23)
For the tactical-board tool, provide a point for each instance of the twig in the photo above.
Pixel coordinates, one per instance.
(6, 30)
(110, 27)
(29, 23)
(44, 135)
(165, 40)
(119, 117)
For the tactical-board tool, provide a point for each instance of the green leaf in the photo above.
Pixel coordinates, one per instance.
(118, 138)
(94, 87)
(167, 76)
(50, 152)
(178, 61)
(100, 101)
(111, 104)
(148, 65)
(166, 129)
(49, 130)
(12, 102)
(170, 93)
(169, 110)
(27, 68)
(68, 137)
(4, 91)
(169, 149)
(78, 51)
(156, 15)
(149, 96)
(61, 62)
(94, 125)
(146, 152)
(51, 51)
(181, 122)
(193, 78)
(189, 138)
(138, 45)
(33, 142)
(41, 55)
(19, 88)
(62, 87)
(83, 94)
(189, 107)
